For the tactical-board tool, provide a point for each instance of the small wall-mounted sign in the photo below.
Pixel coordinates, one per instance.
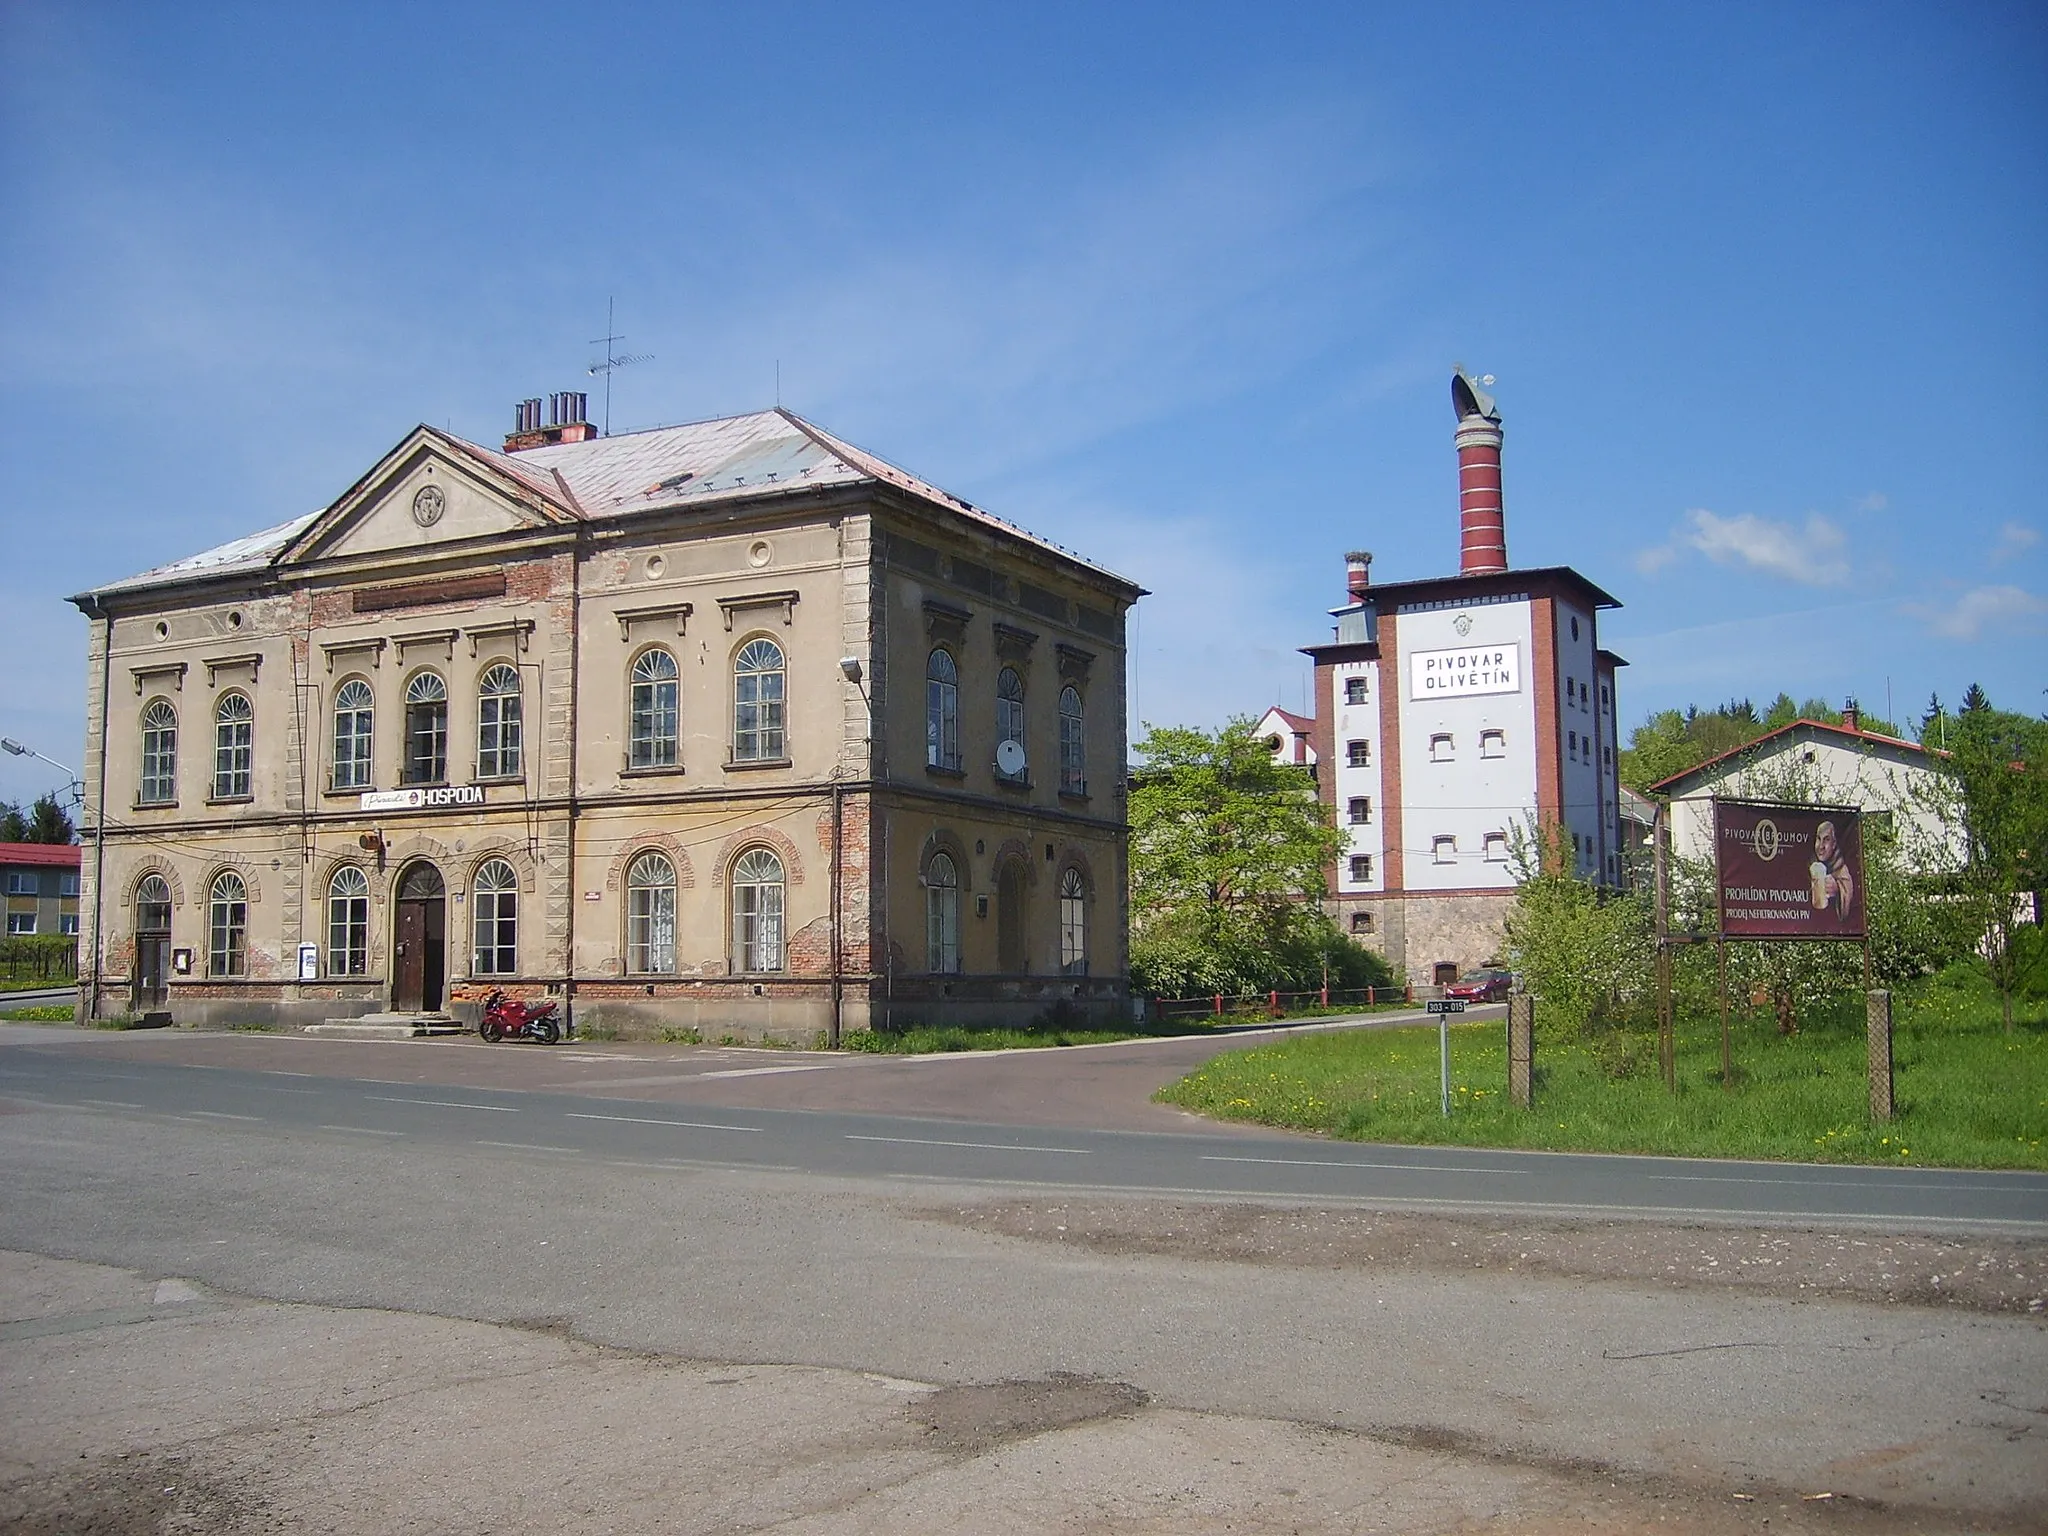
(309, 962)
(593, 895)
(422, 798)
(181, 962)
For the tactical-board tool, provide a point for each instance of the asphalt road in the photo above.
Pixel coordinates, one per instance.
(682, 1110)
(528, 1187)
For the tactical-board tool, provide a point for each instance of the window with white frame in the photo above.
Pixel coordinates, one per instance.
(234, 725)
(1361, 866)
(348, 922)
(21, 922)
(67, 924)
(1358, 754)
(1496, 844)
(354, 726)
(757, 725)
(499, 724)
(1354, 690)
(227, 927)
(159, 785)
(1443, 848)
(757, 892)
(942, 712)
(1010, 718)
(24, 882)
(653, 731)
(1441, 748)
(1493, 743)
(1360, 810)
(942, 916)
(1073, 744)
(494, 901)
(651, 915)
(67, 883)
(1073, 924)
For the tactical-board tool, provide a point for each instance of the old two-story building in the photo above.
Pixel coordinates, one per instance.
(730, 726)
(42, 888)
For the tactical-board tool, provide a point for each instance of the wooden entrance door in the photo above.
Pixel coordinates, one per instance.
(152, 970)
(419, 963)
(1446, 973)
(152, 988)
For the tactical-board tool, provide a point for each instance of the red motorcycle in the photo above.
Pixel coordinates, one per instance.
(506, 1019)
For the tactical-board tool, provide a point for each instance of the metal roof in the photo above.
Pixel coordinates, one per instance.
(698, 464)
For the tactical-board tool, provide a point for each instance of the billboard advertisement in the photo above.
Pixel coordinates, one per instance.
(1788, 871)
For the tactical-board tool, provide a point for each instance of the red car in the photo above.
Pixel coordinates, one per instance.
(1485, 985)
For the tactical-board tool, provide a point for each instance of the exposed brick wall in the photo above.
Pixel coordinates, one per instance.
(1543, 681)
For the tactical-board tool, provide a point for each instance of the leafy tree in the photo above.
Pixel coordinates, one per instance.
(1783, 711)
(1228, 852)
(1585, 951)
(1998, 764)
(43, 822)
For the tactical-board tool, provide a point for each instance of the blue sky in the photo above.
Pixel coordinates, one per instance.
(1178, 286)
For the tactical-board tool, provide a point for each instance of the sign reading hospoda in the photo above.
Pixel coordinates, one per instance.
(1788, 871)
(422, 798)
(1466, 671)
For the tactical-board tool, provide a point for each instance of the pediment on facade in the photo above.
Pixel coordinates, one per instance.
(431, 490)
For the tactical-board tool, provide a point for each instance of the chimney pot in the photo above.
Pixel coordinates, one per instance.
(1852, 716)
(1358, 574)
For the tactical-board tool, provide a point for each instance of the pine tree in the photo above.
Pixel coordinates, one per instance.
(1975, 700)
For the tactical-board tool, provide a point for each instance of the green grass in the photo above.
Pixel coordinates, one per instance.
(35, 983)
(1967, 1094)
(927, 1039)
(54, 1013)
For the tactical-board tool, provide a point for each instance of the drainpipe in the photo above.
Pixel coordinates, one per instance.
(838, 886)
(99, 820)
(575, 693)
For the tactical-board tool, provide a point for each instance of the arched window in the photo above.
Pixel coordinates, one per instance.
(757, 911)
(153, 905)
(234, 736)
(942, 712)
(495, 897)
(348, 923)
(354, 722)
(227, 927)
(426, 730)
(1073, 924)
(654, 729)
(159, 754)
(1010, 717)
(651, 916)
(942, 916)
(1073, 744)
(757, 703)
(498, 724)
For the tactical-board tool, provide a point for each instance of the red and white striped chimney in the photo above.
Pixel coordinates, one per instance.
(1482, 524)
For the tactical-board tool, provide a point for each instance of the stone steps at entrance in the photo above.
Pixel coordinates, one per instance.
(389, 1026)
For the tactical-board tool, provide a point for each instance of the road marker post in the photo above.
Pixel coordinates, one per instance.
(1443, 1008)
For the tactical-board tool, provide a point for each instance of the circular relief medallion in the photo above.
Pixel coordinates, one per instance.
(1462, 624)
(760, 553)
(427, 505)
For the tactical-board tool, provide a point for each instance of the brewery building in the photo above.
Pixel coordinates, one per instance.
(1455, 717)
(730, 727)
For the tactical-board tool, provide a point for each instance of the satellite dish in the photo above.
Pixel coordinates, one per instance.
(1010, 758)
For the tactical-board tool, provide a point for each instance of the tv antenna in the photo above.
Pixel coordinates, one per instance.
(613, 361)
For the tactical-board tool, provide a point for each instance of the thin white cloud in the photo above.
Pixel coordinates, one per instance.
(1982, 608)
(2014, 539)
(1876, 501)
(1814, 553)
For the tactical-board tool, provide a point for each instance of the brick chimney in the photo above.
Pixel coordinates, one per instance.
(1852, 716)
(1482, 525)
(568, 422)
(1358, 574)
